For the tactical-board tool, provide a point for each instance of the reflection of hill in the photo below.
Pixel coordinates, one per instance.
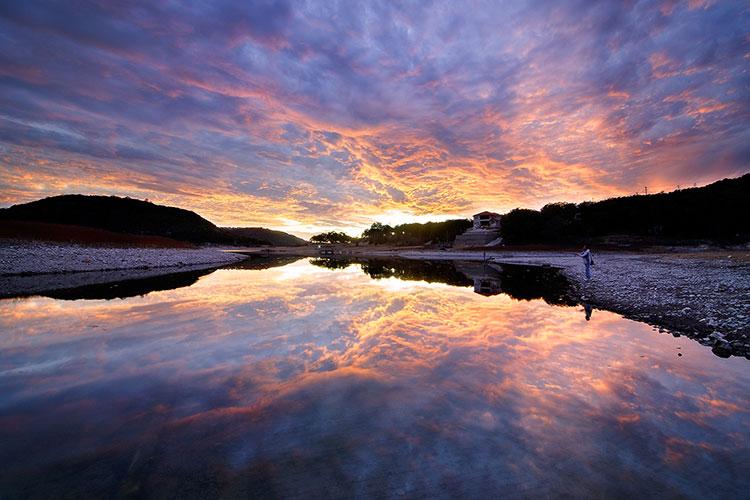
(111, 285)
(129, 288)
(519, 282)
(263, 262)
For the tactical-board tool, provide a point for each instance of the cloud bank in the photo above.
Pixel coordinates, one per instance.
(317, 115)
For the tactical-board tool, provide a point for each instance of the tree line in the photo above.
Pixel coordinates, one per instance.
(401, 234)
(717, 212)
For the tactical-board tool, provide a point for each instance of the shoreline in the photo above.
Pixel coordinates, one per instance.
(703, 296)
(700, 294)
(29, 268)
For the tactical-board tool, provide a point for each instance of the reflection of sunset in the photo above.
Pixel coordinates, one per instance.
(406, 371)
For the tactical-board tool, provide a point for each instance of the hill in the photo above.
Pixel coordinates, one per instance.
(129, 216)
(84, 236)
(270, 236)
(717, 212)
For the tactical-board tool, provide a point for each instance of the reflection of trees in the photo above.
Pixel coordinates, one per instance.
(407, 270)
(417, 270)
(331, 263)
(520, 282)
(528, 283)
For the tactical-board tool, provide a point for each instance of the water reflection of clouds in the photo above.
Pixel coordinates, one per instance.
(330, 378)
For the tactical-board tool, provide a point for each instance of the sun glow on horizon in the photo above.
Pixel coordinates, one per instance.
(250, 117)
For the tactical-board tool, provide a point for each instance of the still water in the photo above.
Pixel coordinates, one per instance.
(315, 378)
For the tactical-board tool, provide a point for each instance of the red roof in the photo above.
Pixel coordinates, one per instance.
(491, 214)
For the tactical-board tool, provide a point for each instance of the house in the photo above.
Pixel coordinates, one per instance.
(487, 220)
(485, 231)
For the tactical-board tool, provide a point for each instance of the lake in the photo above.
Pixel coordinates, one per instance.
(322, 378)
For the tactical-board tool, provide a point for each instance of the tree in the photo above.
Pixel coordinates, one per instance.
(416, 234)
(378, 233)
(521, 225)
(331, 237)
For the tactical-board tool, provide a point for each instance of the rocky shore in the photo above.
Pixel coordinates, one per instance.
(31, 267)
(702, 295)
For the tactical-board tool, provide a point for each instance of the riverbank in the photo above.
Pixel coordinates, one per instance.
(32, 267)
(703, 295)
(699, 293)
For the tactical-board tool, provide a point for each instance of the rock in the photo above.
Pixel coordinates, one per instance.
(722, 349)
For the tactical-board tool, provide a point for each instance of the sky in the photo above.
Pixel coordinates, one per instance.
(309, 116)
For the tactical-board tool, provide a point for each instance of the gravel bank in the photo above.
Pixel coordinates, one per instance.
(29, 267)
(700, 295)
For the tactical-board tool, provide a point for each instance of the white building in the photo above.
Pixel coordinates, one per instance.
(487, 220)
(485, 231)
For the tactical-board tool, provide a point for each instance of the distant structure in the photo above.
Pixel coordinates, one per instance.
(487, 220)
(487, 279)
(485, 231)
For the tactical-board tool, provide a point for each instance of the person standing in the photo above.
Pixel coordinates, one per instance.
(588, 261)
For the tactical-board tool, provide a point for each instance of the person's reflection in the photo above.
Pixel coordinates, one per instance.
(587, 309)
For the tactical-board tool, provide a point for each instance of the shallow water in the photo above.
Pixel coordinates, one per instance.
(382, 379)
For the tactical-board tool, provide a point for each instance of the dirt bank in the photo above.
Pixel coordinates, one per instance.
(32, 267)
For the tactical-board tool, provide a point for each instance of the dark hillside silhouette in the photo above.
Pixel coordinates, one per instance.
(84, 236)
(416, 234)
(130, 216)
(718, 212)
(121, 215)
(267, 236)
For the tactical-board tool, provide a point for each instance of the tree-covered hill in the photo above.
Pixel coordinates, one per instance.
(131, 216)
(269, 236)
(416, 233)
(719, 212)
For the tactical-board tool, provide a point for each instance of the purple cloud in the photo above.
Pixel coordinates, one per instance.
(301, 111)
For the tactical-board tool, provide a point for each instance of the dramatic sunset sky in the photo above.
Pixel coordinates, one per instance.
(317, 115)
